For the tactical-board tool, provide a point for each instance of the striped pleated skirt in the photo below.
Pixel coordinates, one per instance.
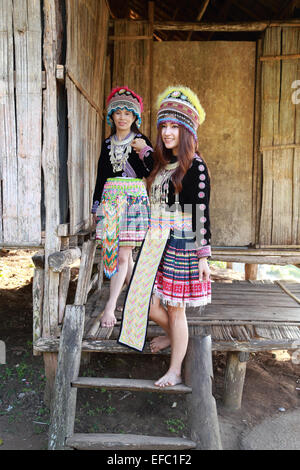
(177, 279)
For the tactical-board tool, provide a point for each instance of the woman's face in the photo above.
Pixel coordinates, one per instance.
(123, 119)
(170, 136)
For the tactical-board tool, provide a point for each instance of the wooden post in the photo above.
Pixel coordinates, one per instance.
(50, 166)
(203, 418)
(63, 414)
(37, 297)
(251, 272)
(50, 364)
(234, 379)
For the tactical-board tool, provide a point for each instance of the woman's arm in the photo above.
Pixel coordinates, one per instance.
(102, 175)
(145, 152)
(196, 192)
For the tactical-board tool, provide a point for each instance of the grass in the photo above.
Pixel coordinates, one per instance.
(175, 425)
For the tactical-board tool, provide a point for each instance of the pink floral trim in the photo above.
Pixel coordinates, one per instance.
(204, 251)
(144, 151)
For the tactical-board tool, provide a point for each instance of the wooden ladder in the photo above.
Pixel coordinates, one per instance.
(198, 377)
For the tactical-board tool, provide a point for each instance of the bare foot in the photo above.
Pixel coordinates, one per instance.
(168, 380)
(108, 319)
(159, 343)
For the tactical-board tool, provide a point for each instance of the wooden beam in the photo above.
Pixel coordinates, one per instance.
(217, 27)
(62, 259)
(128, 38)
(112, 347)
(199, 16)
(280, 57)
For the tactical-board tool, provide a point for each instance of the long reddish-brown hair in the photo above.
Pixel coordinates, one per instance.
(186, 151)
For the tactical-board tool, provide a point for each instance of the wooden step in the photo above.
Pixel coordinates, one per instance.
(127, 442)
(127, 384)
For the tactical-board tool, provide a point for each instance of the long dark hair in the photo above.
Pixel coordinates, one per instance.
(186, 151)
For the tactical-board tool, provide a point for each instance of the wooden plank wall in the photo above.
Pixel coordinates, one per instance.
(131, 64)
(280, 124)
(20, 122)
(87, 26)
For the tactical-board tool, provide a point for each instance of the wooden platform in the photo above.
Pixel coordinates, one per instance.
(243, 316)
(240, 311)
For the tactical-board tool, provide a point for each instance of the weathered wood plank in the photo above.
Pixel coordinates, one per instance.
(63, 415)
(64, 282)
(127, 384)
(50, 161)
(279, 216)
(127, 442)
(28, 86)
(37, 302)
(87, 25)
(8, 147)
(85, 270)
(112, 347)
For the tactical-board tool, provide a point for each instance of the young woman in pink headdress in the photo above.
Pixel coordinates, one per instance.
(120, 201)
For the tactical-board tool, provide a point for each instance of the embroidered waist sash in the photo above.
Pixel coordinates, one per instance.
(114, 200)
(137, 303)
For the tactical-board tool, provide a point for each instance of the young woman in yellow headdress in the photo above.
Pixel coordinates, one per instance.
(173, 262)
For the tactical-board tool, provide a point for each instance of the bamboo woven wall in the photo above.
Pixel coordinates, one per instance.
(87, 25)
(20, 122)
(280, 140)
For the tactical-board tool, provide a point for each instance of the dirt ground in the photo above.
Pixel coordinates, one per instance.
(272, 383)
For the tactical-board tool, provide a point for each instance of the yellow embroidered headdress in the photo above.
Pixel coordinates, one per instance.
(181, 105)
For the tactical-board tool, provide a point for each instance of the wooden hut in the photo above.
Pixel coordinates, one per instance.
(60, 58)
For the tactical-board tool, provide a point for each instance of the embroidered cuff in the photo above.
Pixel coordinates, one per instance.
(95, 207)
(145, 152)
(204, 251)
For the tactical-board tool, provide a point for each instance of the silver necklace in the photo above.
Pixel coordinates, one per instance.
(160, 186)
(119, 151)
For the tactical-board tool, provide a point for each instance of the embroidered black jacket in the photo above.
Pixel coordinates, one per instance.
(193, 198)
(135, 169)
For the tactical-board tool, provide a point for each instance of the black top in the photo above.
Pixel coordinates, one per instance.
(194, 198)
(135, 169)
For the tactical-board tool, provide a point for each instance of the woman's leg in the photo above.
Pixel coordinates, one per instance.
(116, 284)
(130, 269)
(159, 315)
(178, 329)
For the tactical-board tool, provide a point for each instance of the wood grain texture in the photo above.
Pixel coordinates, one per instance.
(279, 223)
(21, 122)
(87, 25)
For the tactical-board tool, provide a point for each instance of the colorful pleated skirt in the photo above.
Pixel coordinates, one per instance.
(177, 279)
(167, 266)
(122, 218)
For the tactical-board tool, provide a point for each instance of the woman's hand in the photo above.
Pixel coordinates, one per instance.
(138, 145)
(204, 271)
